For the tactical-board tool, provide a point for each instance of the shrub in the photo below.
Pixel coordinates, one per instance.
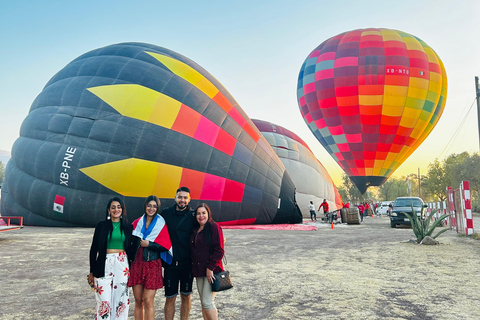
(422, 228)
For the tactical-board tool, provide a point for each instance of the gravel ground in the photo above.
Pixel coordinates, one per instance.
(367, 271)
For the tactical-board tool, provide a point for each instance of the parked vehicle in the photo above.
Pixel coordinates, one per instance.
(402, 205)
(384, 208)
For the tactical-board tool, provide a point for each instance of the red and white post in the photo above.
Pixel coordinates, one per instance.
(467, 207)
(451, 209)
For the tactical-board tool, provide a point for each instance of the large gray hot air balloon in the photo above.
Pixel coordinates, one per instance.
(135, 119)
(312, 181)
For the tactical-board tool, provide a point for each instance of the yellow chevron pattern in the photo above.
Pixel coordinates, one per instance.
(138, 102)
(137, 178)
(186, 72)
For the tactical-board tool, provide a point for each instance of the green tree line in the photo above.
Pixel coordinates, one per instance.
(450, 172)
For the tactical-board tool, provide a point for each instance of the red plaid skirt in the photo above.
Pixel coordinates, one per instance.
(146, 273)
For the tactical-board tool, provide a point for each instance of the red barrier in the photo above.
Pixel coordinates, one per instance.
(7, 226)
(467, 207)
(460, 208)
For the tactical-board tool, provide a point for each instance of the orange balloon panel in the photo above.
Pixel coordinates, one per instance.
(371, 96)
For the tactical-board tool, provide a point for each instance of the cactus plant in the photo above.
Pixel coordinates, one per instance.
(422, 227)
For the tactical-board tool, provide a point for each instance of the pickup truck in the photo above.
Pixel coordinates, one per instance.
(402, 205)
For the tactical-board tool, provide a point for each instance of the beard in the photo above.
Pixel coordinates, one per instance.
(182, 206)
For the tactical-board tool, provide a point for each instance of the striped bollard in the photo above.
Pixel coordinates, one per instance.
(451, 209)
(467, 207)
(445, 212)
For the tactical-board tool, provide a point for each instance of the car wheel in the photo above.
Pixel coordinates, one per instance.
(392, 224)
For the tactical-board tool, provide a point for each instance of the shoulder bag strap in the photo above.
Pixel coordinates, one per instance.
(183, 219)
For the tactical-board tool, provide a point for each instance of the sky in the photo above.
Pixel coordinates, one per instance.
(254, 48)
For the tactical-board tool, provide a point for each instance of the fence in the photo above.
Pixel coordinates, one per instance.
(439, 207)
(459, 206)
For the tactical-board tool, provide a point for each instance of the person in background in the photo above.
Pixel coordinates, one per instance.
(361, 209)
(150, 242)
(324, 205)
(180, 220)
(109, 269)
(311, 207)
(207, 250)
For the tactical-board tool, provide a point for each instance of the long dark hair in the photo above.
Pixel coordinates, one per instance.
(151, 198)
(208, 226)
(123, 218)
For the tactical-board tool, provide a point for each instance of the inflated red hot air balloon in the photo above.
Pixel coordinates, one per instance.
(371, 97)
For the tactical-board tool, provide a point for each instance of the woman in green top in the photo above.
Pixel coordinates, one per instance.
(109, 269)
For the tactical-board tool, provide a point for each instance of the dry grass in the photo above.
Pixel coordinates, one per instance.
(352, 272)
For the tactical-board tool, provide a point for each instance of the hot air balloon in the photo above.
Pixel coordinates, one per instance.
(371, 96)
(135, 119)
(312, 181)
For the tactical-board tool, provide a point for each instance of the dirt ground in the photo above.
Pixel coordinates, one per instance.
(367, 271)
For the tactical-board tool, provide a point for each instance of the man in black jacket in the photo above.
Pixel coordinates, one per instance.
(180, 220)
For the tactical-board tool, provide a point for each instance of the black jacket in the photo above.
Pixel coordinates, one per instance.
(98, 249)
(150, 253)
(180, 225)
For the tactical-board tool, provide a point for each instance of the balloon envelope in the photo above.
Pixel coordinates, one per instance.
(135, 119)
(312, 181)
(371, 96)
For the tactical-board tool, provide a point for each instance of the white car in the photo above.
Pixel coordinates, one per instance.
(383, 208)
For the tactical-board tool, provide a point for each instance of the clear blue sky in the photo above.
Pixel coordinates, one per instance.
(254, 48)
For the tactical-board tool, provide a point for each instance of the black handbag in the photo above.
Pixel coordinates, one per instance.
(222, 281)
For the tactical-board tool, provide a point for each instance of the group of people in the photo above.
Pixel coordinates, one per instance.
(311, 208)
(363, 209)
(182, 242)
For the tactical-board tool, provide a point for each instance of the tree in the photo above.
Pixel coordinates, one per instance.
(449, 173)
(469, 169)
(349, 190)
(343, 193)
(386, 190)
(436, 180)
(392, 188)
(453, 169)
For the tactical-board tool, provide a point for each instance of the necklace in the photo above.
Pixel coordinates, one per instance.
(115, 225)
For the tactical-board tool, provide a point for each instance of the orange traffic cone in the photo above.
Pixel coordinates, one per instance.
(332, 227)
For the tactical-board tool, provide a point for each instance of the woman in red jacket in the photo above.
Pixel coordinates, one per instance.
(206, 247)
